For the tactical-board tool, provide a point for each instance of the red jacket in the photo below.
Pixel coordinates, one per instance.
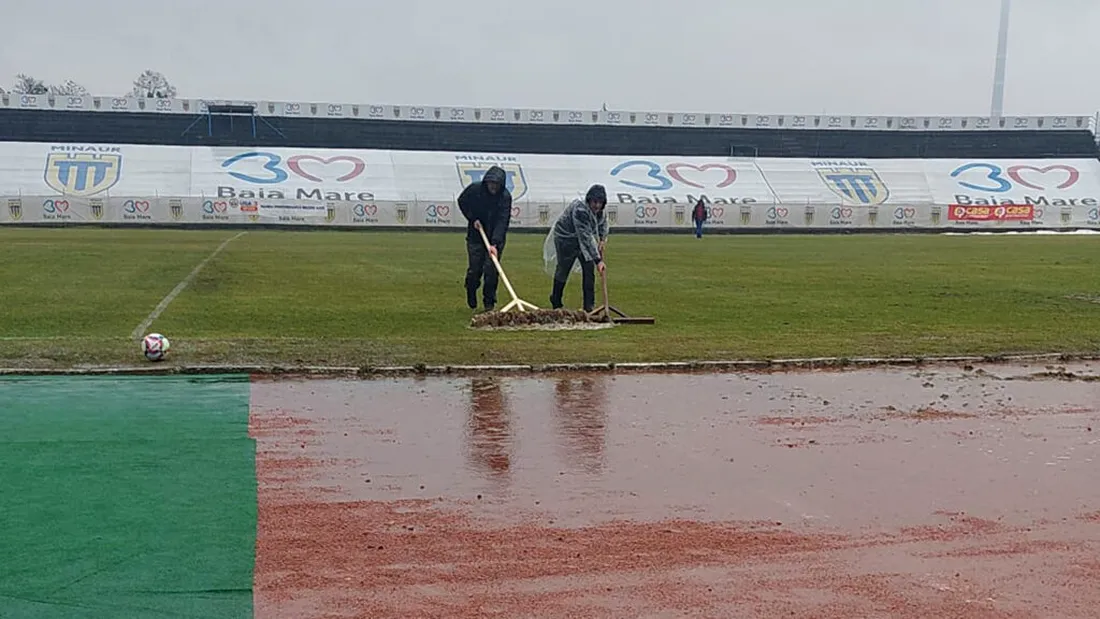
(699, 213)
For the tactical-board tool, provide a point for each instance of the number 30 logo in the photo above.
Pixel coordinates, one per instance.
(272, 165)
(661, 182)
(995, 181)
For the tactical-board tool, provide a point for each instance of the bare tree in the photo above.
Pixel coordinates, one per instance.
(153, 85)
(27, 85)
(69, 88)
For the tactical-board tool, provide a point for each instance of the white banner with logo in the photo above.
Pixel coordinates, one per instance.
(139, 211)
(43, 182)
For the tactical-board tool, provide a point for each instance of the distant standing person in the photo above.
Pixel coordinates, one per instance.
(488, 202)
(580, 233)
(698, 216)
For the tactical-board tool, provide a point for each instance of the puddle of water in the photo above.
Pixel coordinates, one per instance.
(876, 448)
(625, 496)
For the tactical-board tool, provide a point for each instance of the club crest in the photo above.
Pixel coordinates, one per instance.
(473, 171)
(82, 174)
(860, 186)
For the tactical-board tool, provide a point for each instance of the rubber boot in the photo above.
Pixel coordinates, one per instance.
(556, 294)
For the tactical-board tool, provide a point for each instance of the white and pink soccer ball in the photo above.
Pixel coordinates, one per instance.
(155, 346)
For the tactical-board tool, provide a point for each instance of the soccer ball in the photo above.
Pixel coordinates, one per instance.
(154, 346)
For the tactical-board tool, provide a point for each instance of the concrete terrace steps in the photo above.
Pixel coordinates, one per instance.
(171, 129)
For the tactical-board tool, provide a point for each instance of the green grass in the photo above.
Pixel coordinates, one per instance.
(397, 298)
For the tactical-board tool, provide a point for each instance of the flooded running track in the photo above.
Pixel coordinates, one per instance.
(900, 493)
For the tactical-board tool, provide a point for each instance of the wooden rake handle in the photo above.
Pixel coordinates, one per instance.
(496, 263)
(606, 301)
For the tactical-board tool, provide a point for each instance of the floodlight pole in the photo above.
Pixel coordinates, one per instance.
(997, 108)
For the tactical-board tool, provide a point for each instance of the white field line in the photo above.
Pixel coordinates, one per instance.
(139, 331)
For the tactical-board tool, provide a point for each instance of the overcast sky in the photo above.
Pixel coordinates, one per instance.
(896, 57)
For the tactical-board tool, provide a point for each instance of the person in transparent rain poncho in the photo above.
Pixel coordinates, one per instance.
(578, 235)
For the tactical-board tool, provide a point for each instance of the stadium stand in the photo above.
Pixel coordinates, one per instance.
(155, 161)
(238, 126)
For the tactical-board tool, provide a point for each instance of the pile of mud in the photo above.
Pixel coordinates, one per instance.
(544, 319)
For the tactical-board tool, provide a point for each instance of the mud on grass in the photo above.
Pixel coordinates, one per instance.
(540, 319)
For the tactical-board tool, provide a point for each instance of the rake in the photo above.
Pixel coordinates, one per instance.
(516, 303)
(604, 311)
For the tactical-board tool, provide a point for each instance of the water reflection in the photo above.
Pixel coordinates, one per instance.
(828, 447)
(489, 429)
(580, 414)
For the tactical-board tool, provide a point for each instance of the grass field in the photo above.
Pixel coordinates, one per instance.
(73, 296)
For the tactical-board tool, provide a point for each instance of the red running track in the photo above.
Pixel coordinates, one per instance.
(966, 493)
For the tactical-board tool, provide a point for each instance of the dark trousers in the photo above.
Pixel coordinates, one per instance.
(481, 266)
(698, 228)
(568, 254)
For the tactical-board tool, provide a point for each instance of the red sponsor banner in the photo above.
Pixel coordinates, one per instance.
(1002, 212)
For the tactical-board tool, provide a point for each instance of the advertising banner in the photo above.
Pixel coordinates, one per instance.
(88, 183)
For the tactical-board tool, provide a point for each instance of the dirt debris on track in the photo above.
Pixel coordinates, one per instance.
(902, 493)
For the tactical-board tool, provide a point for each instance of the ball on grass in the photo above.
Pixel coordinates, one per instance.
(155, 346)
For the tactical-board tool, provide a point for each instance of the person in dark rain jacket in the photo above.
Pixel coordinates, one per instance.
(489, 203)
(698, 216)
